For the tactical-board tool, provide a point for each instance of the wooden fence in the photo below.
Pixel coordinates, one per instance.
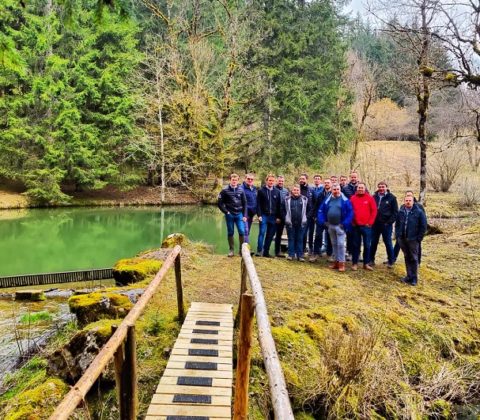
(52, 278)
(249, 305)
(122, 348)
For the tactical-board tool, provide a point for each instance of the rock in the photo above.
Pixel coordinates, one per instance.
(73, 359)
(133, 270)
(32, 295)
(174, 239)
(99, 305)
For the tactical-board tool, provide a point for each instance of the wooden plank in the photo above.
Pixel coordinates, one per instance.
(221, 374)
(186, 358)
(217, 382)
(187, 410)
(184, 351)
(223, 345)
(182, 389)
(173, 364)
(220, 336)
(217, 400)
(223, 307)
(165, 418)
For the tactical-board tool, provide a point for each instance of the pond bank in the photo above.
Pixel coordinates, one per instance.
(109, 197)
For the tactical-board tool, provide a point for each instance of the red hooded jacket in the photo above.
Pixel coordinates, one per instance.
(364, 209)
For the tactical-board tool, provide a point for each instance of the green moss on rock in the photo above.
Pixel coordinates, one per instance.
(174, 239)
(37, 403)
(94, 306)
(133, 270)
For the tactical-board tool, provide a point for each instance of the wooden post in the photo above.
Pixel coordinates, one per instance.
(128, 377)
(178, 281)
(243, 289)
(240, 406)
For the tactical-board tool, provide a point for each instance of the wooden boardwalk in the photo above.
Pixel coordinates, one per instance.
(197, 382)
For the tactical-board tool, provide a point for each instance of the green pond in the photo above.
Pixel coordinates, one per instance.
(51, 240)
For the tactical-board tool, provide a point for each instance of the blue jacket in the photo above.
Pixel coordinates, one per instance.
(347, 212)
(251, 196)
(416, 227)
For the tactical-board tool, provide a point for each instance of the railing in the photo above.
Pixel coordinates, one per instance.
(59, 277)
(124, 355)
(247, 306)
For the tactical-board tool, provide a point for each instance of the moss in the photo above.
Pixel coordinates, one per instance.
(103, 327)
(133, 270)
(32, 295)
(441, 409)
(94, 306)
(35, 317)
(38, 402)
(175, 239)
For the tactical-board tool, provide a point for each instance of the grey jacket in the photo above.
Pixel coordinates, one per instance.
(288, 210)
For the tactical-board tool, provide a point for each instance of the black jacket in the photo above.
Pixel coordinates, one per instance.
(269, 202)
(350, 189)
(413, 227)
(232, 200)
(388, 209)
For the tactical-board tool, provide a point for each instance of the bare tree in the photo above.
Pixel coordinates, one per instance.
(460, 33)
(411, 23)
(362, 78)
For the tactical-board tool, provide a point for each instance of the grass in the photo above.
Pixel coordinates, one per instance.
(35, 317)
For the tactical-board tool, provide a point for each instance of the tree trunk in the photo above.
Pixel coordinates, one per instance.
(162, 155)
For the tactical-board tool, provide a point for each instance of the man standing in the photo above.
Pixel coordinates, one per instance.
(387, 209)
(321, 229)
(280, 226)
(364, 215)
(268, 212)
(233, 203)
(349, 190)
(410, 228)
(336, 213)
(295, 212)
(343, 182)
(317, 192)
(251, 195)
(306, 191)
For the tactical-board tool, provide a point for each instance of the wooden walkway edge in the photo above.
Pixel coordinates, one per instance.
(197, 382)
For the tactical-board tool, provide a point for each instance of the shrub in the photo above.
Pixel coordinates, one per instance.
(470, 192)
(444, 168)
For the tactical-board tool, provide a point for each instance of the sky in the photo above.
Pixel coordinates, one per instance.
(356, 6)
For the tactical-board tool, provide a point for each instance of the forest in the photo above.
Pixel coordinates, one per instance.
(96, 93)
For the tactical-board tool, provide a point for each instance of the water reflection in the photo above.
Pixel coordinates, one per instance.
(48, 240)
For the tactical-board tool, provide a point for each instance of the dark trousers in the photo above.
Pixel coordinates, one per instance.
(311, 232)
(350, 240)
(410, 251)
(359, 233)
(396, 251)
(295, 235)
(278, 237)
(248, 228)
(385, 231)
(320, 233)
(266, 234)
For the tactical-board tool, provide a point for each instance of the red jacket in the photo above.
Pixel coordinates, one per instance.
(364, 209)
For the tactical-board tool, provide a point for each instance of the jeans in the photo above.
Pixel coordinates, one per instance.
(410, 251)
(278, 236)
(359, 233)
(337, 236)
(396, 251)
(266, 234)
(295, 240)
(317, 245)
(232, 220)
(386, 232)
(248, 228)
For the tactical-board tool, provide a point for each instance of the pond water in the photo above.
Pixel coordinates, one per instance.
(50, 240)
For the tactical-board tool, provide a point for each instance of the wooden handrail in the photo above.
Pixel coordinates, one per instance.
(80, 389)
(278, 389)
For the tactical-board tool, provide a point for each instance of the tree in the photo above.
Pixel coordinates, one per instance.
(421, 59)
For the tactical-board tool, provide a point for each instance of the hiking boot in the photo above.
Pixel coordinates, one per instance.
(341, 267)
(334, 266)
(405, 280)
(354, 267)
(230, 246)
(313, 258)
(367, 267)
(348, 257)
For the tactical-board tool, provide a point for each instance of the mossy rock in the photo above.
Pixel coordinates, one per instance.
(37, 403)
(133, 270)
(94, 306)
(72, 360)
(174, 239)
(31, 295)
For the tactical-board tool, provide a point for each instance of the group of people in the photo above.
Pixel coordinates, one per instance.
(334, 216)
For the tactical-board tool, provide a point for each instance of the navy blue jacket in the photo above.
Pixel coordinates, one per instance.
(232, 200)
(416, 226)
(350, 189)
(251, 196)
(269, 202)
(387, 212)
